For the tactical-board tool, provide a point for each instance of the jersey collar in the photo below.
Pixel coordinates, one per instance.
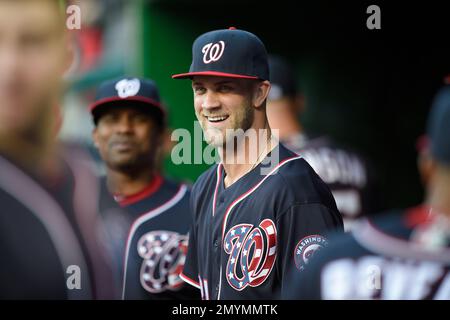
(154, 186)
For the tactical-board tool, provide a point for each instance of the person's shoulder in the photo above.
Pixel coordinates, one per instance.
(177, 191)
(175, 185)
(296, 176)
(290, 164)
(295, 168)
(299, 175)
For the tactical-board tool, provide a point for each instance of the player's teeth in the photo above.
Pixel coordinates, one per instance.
(216, 118)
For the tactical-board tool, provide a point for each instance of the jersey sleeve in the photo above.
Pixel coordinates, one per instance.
(303, 230)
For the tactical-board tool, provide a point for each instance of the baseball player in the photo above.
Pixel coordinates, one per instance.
(249, 223)
(151, 238)
(343, 170)
(402, 255)
(48, 213)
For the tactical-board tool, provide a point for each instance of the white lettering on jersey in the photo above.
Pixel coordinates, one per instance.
(373, 277)
(336, 166)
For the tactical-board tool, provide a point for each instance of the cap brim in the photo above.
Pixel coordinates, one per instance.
(112, 100)
(212, 73)
(148, 105)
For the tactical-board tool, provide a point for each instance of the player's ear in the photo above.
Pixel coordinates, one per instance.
(261, 92)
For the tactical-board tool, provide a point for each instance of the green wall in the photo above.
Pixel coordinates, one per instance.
(167, 42)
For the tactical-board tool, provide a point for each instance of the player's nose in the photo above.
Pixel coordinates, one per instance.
(124, 124)
(210, 100)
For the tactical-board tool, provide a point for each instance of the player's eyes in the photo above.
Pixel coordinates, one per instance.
(140, 118)
(109, 118)
(34, 40)
(199, 90)
(225, 88)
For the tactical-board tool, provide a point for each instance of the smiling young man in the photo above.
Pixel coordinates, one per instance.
(252, 224)
(151, 237)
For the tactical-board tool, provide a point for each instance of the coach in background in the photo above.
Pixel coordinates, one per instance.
(403, 255)
(151, 237)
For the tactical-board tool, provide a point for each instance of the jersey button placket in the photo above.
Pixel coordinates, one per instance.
(217, 291)
(216, 244)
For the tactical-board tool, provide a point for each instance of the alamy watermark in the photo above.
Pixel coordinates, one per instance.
(73, 281)
(374, 20)
(73, 21)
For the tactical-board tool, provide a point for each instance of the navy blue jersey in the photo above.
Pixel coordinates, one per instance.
(248, 236)
(48, 235)
(349, 176)
(399, 256)
(150, 239)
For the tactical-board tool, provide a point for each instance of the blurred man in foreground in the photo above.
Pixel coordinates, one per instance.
(48, 208)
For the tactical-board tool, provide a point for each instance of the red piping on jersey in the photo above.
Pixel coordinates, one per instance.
(190, 281)
(417, 216)
(250, 191)
(219, 176)
(146, 192)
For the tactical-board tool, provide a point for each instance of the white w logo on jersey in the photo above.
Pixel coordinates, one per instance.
(213, 52)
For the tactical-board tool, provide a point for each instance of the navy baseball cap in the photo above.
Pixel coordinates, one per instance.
(282, 78)
(439, 126)
(228, 53)
(126, 92)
